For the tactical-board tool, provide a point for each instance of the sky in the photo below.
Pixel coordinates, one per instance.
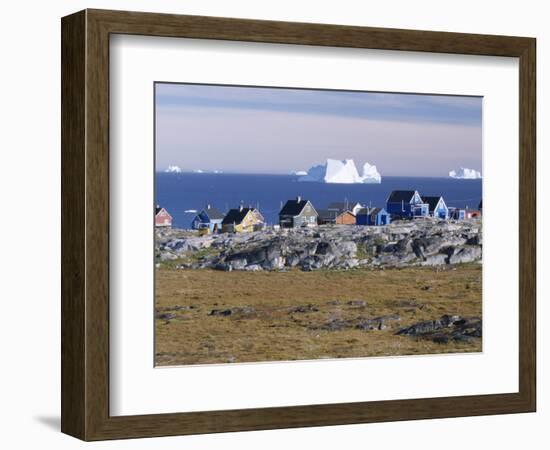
(279, 130)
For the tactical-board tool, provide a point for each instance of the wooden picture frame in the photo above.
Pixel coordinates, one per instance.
(85, 224)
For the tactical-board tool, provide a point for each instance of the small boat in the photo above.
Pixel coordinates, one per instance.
(193, 211)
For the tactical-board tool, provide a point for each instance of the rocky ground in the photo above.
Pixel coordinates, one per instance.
(419, 242)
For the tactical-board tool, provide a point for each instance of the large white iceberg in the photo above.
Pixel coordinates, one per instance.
(345, 172)
(173, 169)
(465, 174)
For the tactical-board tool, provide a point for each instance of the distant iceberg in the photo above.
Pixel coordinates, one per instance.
(173, 169)
(345, 172)
(370, 174)
(300, 173)
(465, 174)
(198, 171)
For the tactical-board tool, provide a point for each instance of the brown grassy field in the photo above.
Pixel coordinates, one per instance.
(283, 315)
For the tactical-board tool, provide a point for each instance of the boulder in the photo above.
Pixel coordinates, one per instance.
(378, 323)
(465, 255)
(445, 329)
(435, 260)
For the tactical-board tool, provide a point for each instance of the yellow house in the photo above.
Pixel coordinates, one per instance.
(242, 220)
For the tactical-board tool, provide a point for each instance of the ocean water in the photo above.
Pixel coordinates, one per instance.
(180, 192)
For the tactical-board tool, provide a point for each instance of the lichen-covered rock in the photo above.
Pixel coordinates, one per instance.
(424, 242)
(445, 329)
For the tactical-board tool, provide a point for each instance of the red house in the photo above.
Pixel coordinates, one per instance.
(162, 218)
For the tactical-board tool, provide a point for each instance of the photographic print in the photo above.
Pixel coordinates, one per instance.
(307, 224)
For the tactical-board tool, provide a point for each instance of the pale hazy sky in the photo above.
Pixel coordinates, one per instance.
(274, 130)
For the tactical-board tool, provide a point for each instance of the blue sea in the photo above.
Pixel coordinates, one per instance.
(181, 192)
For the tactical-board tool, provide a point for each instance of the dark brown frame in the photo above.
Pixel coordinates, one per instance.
(85, 224)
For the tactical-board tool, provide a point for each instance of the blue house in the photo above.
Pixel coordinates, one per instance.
(437, 207)
(209, 218)
(373, 216)
(457, 213)
(407, 204)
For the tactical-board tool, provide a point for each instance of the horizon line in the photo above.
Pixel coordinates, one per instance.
(206, 172)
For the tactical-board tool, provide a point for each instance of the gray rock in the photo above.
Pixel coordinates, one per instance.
(167, 256)
(165, 316)
(238, 310)
(465, 255)
(378, 323)
(435, 260)
(303, 309)
(347, 248)
(446, 329)
(357, 303)
(238, 264)
(428, 326)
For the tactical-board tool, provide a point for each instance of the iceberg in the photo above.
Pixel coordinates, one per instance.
(370, 174)
(465, 174)
(342, 171)
(173, 169)
(198, 171)
(299, 173)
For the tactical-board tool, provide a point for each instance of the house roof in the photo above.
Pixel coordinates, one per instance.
(213, 213)
(236, 215)
(159, 209)
(432, 201)
(342, 206)
(372, 212)
(400, 196)
(293, 207)
(326, 214)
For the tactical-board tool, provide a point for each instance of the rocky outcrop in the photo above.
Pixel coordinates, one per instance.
(421, 242)
(374, 324)
(446, 328)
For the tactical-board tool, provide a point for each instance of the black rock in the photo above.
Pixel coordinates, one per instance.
(165, 316)
(445, 329)
(304, 309)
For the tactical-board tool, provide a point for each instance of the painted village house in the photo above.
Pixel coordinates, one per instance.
(472, 213)
(457, 213)
(298, 213)
(329, 217)
(406, 204)
(354, 207)
(208, 220)
(373, 217)
(437, 207)
(162, 218)
(242, 219)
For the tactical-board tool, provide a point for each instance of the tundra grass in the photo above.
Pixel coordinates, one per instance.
(271, 327)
